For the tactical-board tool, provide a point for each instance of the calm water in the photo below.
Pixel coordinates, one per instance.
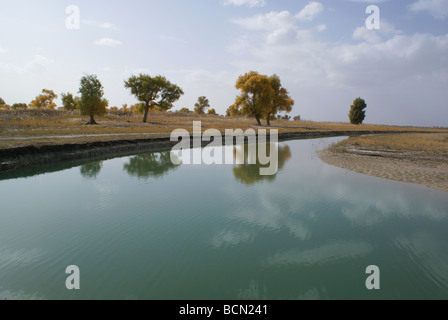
(141, 228)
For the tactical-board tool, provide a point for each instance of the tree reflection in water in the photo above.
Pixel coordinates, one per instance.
(145, 166)
(250, 173)
(91, 170)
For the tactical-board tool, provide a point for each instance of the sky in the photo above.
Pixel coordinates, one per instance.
(323, 52)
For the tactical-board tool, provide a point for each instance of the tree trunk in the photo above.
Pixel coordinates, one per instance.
(92, 120)
(258, 120)
(268, 120)
(145, 117)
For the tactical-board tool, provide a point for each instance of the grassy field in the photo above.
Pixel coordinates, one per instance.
(47, 127)
(434, 143)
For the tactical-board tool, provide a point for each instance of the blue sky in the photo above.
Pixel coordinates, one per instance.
(322, 51)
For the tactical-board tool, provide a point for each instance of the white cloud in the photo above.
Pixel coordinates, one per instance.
(375, 36)
(171, 38)
(437, 8)
(364, 34)
(38, 64)
(107, 25)
(387, 61)
(282, 26)
(270, 21)
(102, 25)
(249, 3)
(106, 69)
(108, 42)
(321, 27)
(369, 1)
(3, 50)
(311, 10)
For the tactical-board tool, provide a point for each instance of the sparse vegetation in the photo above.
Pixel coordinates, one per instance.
(184, 110)
(19, 106)
(428, 143)
(45, 126)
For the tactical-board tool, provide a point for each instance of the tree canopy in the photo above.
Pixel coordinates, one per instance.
(201, 105)
(357, 113)
(153, 92)
(45, 100)
(184, 110)
(233, 111)
(261, 97)
(68, 102)
(256, 95)
(17, 106)
(281, 101)
(92, 102)
(3, 104)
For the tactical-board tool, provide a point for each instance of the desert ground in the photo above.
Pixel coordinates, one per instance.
(412, 158)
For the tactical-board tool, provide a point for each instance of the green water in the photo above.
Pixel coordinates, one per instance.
(140, 227)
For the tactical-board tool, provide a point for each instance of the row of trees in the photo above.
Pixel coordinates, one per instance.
(44, 100)
(261, 97)
(152, 92)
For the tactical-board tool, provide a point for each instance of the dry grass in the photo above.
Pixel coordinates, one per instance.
(428, 143)
(39, 127)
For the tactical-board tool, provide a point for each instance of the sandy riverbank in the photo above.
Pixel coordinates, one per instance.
(405, 166)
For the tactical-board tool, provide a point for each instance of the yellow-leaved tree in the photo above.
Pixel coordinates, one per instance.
(281, 101)
(256, 95)
(44, 100)
(261, 97)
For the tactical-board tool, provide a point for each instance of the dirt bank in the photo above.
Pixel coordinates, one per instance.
(430, 170)
(35, 155)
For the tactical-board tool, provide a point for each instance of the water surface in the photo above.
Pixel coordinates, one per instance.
(140, 227)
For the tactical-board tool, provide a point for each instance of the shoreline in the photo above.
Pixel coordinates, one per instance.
(13, 159)
(406, 166)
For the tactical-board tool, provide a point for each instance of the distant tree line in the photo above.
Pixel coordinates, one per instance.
(261, 97)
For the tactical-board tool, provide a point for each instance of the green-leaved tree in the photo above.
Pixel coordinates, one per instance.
(357, 113)
(153, 92)
(19, 106)
(92, 102)
(201, 105)
(184, 110)
(68, 102)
